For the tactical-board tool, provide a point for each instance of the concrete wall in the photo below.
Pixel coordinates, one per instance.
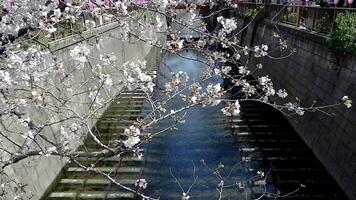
(39, 172)
(315, 72)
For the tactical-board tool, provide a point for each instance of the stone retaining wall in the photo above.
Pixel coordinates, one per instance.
(39, 172)
(315, 72)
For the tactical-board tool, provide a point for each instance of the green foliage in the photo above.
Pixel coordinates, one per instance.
(250, 13)
(290, 17)
(323, 24)
(150, 16)
(65, 29)
(258, 14)
(76, 2)
(27, 41)
(43, 38)
(343, 38)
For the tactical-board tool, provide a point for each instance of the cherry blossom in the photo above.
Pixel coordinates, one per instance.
(228, 24)
(79, 53)
(132, 134)
(282, 93)
(142, 183)
(347, 102)
(185, 196)
(34, 80)
(232, 109)
(243, 70)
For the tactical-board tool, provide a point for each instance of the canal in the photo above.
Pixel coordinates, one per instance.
(257, 154)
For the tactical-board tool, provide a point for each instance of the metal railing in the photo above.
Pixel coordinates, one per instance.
(309, 17)
(87, 21)
(84, 22)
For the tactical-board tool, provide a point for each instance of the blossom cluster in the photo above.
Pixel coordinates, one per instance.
(27, 85)
(133, 136)
(79, 54)
(260, 51)
(137, 77)
(71, 136)
(267, 86)
(294, 107)
(233, 109)
(346, 101)
(178, 79)
(212, 94)
(228, 25)
(224, 71)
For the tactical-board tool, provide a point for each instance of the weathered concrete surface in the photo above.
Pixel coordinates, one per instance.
(195, 28)
(39, 172)
(315, 72)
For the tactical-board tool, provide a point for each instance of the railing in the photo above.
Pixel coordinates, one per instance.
(87, 21)
(67, 28)
(84, 22)
(313, 18)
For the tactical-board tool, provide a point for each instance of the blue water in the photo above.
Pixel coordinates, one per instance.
(204, 136)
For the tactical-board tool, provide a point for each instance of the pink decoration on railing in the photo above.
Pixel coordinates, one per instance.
(350, 2)
(90, 5)
(336, 2)
(9, 5)
(105, 2)
(140, 2)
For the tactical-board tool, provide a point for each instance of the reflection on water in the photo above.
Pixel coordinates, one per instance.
(260, 135)
(204, 136)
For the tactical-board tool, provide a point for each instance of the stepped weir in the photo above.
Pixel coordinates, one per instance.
(259, 140)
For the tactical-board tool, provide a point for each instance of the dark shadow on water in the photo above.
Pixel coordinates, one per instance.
(260, 135)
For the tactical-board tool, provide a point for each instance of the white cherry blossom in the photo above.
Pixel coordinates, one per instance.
(142, 183)
(232, 109)
(282, 93)
(347, 102)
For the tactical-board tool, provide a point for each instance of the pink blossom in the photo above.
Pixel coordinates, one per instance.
(9, 5)
(141, 2)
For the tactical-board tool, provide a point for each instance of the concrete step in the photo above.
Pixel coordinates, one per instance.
(261, 137)
(132, 93)
(91, 195)
(113, 120)
(63, 195)
(136, 98)
(69, 181)
(110, 162)
(121, 112)
(130, 110)
(106, 195)
(121, 106)
(108, 169)
(117, 126)
(286, 159)
(259, 141)
(237, 126)
(122, 116)
(130, 102)
(277, 150)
